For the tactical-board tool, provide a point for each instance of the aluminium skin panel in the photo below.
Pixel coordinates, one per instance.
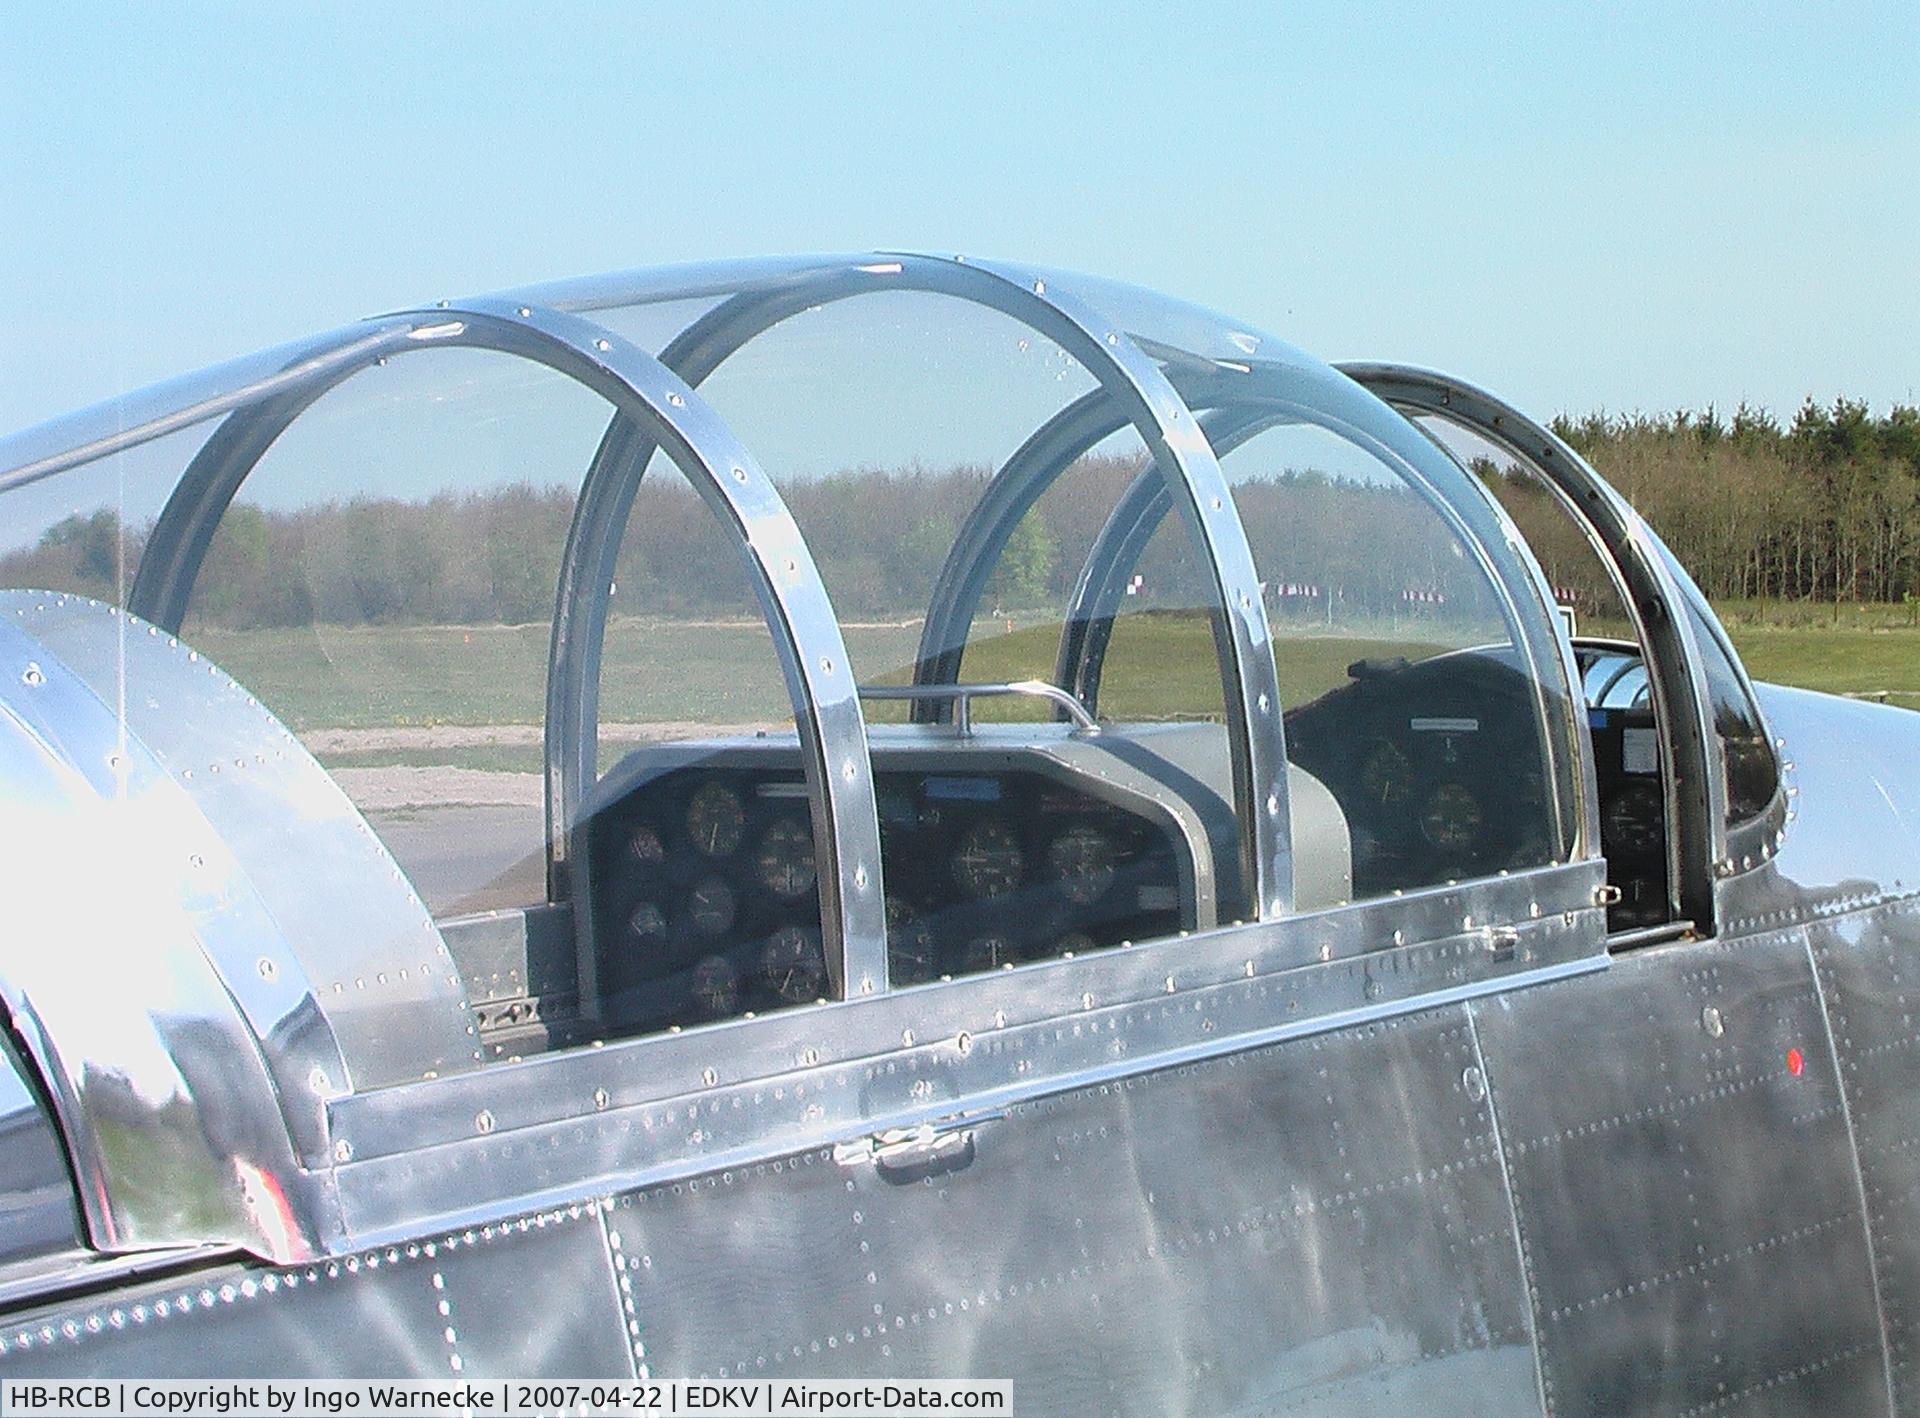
(524, 1298)
(1868, 971)
(1311, 1227)
(1319, 1226)
(1679, 1150)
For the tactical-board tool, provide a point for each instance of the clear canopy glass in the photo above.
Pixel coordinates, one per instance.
(782, 631)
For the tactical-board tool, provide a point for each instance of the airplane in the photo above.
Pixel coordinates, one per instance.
(1227, 947)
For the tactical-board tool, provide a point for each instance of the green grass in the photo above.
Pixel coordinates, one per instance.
(1838, 660)
(487, 758)
(1160, 666)
(1844, 649)
(383, 676)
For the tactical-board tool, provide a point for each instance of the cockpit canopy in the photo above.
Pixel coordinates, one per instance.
(638, 654)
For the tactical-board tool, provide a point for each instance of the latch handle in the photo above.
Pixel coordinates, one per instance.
(922, 1145)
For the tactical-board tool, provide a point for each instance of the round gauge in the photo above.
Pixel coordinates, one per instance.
(645, 847)
(988, 861)
(910, 944)
(792, 966)
(1082, 861)
(716, 986)
(1452, 818)
(988, 952)
(646, 922)
(1387, 776)
(1073, 943)
(715, 820)
(711, 906)
(785, 859)
(1631, 821)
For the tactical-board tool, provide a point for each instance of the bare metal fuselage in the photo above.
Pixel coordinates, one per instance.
(1454, 1149)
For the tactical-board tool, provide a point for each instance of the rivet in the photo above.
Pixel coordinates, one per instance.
(1170, 985)
(860, 878)
(602, 345)
(1039, 287)
(826, 665)
(810, 1057)
(1711, 1021)
(601, 1098)
(1265, 704)
(1273, 799)
(1474, 1082)
(676, 401)
(268, 970)
(483, 1120)
(709, 1077)
(847, 770)
(963, 1041)
(343, 1151)
(33, 675)
(525, 311)
(1086, 1001)
(740, 476)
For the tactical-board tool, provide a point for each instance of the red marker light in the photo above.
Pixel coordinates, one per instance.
(1796, 1062)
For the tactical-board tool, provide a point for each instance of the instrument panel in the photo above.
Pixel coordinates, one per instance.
(705, 898)
(1629, 779)
(1437, 765)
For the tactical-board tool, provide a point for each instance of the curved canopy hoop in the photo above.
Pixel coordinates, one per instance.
(1088, 630)
(653, 404)
(1144, 397)
(1654, 597)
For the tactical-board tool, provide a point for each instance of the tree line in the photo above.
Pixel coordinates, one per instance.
(1824, 507)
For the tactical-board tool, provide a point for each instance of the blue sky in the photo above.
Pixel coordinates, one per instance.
(1596, 205)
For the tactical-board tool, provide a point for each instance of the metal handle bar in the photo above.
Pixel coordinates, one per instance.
(963, 695)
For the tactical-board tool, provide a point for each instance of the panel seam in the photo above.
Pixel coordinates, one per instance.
(621, 1294)
(1513, 1213)
(1853, 1152)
